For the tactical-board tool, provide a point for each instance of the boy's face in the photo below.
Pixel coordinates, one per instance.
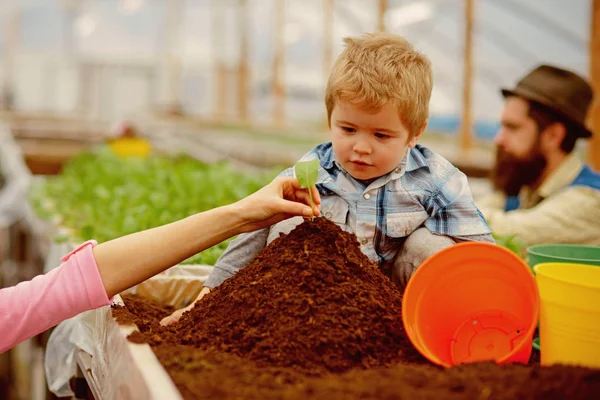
(369, 143)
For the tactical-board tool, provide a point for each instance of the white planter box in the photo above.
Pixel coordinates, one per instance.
(125, 370)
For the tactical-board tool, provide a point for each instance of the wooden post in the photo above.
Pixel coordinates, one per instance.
(278, 86)
(173, 67)
(12, 27)
(218, 39)
(327, 36)
(466, 139)
(70, 11)
(594, 112)
(243, 70)
(328, 7)
(383, 4)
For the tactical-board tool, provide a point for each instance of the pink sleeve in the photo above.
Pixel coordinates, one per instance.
(32, 307)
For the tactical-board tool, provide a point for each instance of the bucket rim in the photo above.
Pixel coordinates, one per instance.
(534, 250)
(545, 275)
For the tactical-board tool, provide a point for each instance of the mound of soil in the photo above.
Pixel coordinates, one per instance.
(310, 300)
(312, 317)
(213, 374)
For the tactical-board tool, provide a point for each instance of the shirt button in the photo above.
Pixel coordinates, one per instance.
(397, 170)
(364, 241)
(328, 215)
(367, 196)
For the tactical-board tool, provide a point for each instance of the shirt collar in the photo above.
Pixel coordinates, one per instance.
(414, 160)
(566, 173)
(328, 158)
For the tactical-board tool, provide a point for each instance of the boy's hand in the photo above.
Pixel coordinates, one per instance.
(174, 317)
(281, 199)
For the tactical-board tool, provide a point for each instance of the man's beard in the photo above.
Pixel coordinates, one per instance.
(511, 173)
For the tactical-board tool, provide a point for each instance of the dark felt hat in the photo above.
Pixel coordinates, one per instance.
(562, 91)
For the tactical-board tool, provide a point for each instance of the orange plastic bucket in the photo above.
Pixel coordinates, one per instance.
(472, 302)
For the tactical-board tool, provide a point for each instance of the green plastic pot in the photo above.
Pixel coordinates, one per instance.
(563, 253)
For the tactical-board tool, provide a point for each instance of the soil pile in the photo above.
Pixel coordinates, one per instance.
(310, 300)
(312, 317)
(140, 312)
(212, 374)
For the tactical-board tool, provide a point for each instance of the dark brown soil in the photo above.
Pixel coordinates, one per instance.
(202, 374)
(311, 300)
(141, 312)
(311, 317)
(213, 375)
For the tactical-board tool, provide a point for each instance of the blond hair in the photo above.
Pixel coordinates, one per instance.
(378, 68)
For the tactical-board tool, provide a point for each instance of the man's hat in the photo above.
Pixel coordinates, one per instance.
(562, 91)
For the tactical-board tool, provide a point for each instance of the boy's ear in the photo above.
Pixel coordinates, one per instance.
(415, 138)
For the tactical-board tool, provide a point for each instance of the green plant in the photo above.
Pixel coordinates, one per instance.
(512, 243)
(307, 173)
(101, 196)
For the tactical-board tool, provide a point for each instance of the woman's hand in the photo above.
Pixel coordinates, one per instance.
(281, 199)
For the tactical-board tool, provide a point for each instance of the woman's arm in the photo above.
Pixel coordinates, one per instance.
(146, 253)
(90, 275)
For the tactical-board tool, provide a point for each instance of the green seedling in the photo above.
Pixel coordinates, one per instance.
(307, 173)
(101, 196)
(512, 243)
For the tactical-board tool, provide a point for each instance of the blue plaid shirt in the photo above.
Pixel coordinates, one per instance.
(423, 190)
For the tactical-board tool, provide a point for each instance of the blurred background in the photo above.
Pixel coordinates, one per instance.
(234, 81)
(262, 65)
(109, 59)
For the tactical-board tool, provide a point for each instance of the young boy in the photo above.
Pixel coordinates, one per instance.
(403, 201)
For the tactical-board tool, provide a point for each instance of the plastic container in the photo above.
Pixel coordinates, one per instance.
(570, 314)
(563, 253)
(472, 302)
(130, 147)
(566, 253)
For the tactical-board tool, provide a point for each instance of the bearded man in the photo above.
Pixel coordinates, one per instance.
(543, 192)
